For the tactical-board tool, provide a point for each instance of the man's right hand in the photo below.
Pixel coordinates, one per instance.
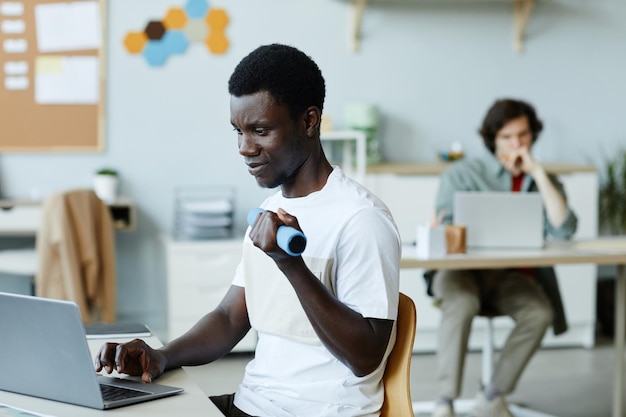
(133, 358)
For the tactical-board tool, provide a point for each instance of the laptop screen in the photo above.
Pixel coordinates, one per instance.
(500, 220)
(45, 354)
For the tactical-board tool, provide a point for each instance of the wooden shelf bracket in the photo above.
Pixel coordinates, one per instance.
(522, 10)
(358, 8)
(521, 14)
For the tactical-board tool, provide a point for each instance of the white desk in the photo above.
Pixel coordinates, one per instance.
(192, 402)
(410, 190)
(608, 251)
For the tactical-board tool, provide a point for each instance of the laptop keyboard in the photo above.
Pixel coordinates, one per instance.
(113, 393)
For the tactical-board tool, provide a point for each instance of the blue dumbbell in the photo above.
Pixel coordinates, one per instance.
(288, 239)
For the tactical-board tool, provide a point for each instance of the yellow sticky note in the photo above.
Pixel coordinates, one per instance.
(49, 64)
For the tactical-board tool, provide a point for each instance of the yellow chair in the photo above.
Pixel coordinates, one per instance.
(397, 375)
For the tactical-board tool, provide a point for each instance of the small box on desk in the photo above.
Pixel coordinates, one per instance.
(431, 241)
(437, 241)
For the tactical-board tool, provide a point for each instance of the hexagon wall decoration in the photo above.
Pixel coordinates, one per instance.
(196, 30)
(193, 23)
(196, 9)
(175, 42)
(135, 41)
(217, 42)
(175, 18)
(155, 53)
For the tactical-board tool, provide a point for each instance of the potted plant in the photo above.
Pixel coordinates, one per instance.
(105, 184)
(613, 197)
(612, 222)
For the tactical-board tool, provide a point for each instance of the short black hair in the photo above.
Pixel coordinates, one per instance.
(502, 112)
(290, 76)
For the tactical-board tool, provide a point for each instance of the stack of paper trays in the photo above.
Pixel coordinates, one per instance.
(204, 213)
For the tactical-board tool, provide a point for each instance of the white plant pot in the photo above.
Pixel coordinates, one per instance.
(105, 187)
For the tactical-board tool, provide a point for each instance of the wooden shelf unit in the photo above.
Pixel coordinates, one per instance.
(521, 14)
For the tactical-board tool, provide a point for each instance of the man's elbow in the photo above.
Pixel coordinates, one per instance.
(365, 366)
(367, 355)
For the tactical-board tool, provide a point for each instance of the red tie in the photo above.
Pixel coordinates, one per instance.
(516, 186)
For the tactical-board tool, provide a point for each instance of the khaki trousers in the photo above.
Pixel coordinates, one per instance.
(462, 295)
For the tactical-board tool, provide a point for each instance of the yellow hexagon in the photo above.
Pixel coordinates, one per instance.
(135, 41)
(176, 18)
(217, 43)
(217, 18)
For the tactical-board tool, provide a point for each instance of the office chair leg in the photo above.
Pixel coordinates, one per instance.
(488, 353)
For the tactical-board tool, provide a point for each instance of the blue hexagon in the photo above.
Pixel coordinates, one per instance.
(175, 42)
(155, 53)
(196, 8)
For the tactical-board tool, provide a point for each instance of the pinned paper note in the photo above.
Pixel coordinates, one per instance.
(16, 83)
(11, 8)
(16, 68)
(68, 26)
(66, 80)
(15, 46)
(49, 64)
(13, 26)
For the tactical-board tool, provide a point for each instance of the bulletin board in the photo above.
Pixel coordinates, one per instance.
(52, 64)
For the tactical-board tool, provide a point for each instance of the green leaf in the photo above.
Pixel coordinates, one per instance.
(613, 196)
(106, 171)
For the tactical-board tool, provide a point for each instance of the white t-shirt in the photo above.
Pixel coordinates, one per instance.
(353, 246)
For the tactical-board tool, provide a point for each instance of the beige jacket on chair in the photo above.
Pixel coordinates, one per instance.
(76, 254)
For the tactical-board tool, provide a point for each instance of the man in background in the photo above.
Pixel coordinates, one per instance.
(325, 319)
(530, 296)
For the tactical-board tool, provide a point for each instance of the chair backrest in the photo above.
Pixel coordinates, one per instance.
(397, 372)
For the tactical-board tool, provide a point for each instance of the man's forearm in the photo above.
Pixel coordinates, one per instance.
(213, 336)
(556, 207)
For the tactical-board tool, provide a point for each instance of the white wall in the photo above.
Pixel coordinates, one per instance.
(432, 67)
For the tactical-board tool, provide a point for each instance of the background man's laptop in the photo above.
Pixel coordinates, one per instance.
(44, 353)
(500, 219)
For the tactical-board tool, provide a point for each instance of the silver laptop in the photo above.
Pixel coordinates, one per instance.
(44, 353)
(497, 220)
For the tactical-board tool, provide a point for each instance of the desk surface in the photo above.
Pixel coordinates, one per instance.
(608, 251)
(438, 167)
(192, 402)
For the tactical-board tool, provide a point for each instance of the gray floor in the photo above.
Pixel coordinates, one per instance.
(562, 382)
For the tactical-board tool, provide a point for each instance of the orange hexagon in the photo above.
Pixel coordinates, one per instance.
(176, 18)
(217, 18)
(217, 43)
(135, 41)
